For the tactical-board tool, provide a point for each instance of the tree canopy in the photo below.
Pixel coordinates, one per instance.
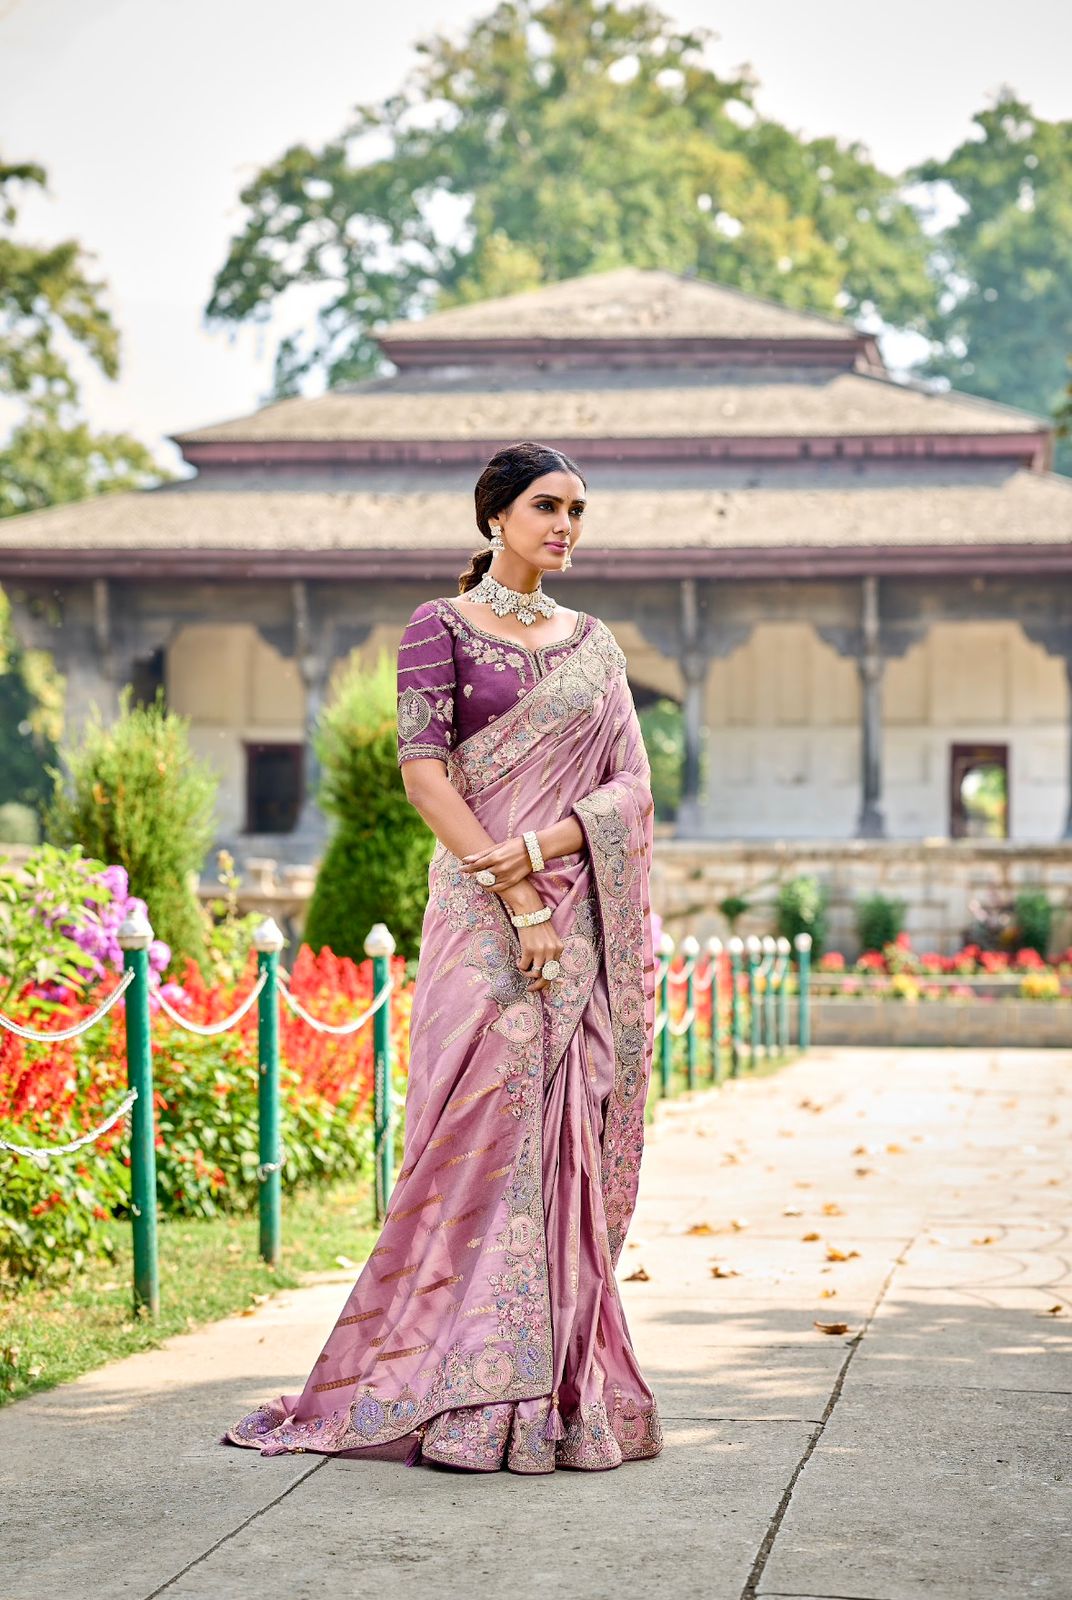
(1003, 328)
(560, 137)
(48, 298)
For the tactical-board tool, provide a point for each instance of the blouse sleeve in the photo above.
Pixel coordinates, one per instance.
(426, 684)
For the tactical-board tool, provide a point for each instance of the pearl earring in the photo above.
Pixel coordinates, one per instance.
(497, 543)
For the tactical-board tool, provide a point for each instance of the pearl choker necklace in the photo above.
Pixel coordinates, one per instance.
(490, 592)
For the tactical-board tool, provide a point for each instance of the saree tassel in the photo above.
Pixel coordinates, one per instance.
(414, 1455)
(554, 1427)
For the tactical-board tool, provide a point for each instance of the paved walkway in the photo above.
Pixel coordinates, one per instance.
(927, 1451)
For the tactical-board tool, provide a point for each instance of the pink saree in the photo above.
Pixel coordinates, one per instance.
(486, 1329)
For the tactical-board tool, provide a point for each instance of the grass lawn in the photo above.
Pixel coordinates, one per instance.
(208, 1269)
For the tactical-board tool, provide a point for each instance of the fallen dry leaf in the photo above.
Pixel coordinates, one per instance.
(724, 1272)
(792, 1211)
(700, 1227)
(1054, 1311)
(864, 1172)
(807, 1238)
(639, 1276)
(738, 1223)
(989, 1238)
(832, 1209)
(834, 1254)
(831, 1327)
(862, 1150)
(827, 1294)
(896, 1149)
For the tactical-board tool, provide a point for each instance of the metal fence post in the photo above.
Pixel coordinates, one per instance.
(751, 946)
(666, 1038)
(803, 944)
(135, 936)
(785, 952)
(714, 955)
(770, 963)
(380, 945)
(690, 949)
(736, 949)
(268, 941)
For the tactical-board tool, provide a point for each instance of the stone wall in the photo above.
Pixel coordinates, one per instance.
(935, 878)
(1004, 1023)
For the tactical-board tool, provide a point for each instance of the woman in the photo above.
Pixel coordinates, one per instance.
(486, 1328)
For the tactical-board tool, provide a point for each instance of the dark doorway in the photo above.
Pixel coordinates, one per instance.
(147, 676)
(273, 787)
(979, 791)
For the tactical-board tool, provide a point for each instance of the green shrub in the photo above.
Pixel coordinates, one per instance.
(878, 920)
(135, 795)
(801, 908)
(1033, 916)
(663, 730)
(376, 866)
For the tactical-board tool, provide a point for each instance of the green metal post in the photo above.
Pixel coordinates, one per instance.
(380, 945)
(135, 937)
(803, 944)
(714, 954)
(751, 946)
(666, 1038)
(690, 949)
(770, 961)
(785, 950)
(736, 947)
(268, 942)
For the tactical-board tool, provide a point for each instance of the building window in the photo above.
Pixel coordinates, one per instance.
(273, 787)
(979, 791)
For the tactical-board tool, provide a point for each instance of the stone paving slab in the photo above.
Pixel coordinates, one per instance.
(924, 1451)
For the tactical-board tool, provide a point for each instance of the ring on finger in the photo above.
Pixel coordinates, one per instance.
(486, 877)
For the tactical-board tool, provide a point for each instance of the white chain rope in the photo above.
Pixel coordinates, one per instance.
(208, 1029)
(337, 1028)
(41, 1156)
(80, 1027)
(688, 1016)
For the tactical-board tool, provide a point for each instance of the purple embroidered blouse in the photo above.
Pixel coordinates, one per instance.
(455, 677)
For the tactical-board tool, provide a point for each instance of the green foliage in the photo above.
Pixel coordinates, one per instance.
(801, 908)
(52, 891)
(664, 739)
(206, 1157)
(135, 795)
(878, 920)
(376, 866)
(47, 301)
(1033, 915)
(1005, 328)
(566, 137)
(228, 933)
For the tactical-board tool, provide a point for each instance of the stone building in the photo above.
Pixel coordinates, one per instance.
(860, 592)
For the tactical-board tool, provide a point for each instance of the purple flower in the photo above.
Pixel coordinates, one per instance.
(115, 879)
(159, 955)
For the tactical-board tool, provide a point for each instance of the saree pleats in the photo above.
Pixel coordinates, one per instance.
(486, 1329)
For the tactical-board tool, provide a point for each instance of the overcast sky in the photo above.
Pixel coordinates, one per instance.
(150, 115)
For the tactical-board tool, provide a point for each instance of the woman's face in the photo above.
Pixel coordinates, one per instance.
(545, 521)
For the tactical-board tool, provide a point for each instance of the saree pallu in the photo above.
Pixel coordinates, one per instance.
(486, 1328)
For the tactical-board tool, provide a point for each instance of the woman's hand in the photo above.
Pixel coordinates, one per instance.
(539, 943)
(509, 861)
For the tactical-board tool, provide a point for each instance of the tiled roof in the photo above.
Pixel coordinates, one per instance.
(1027, 508)
(628, 303)
(613, 406)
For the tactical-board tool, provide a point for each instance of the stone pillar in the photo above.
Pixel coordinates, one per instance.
(870, 821)
(693, 660)
(315, 658)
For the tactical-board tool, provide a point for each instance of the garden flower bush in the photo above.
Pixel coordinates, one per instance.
(62, 915)
(898, 972)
